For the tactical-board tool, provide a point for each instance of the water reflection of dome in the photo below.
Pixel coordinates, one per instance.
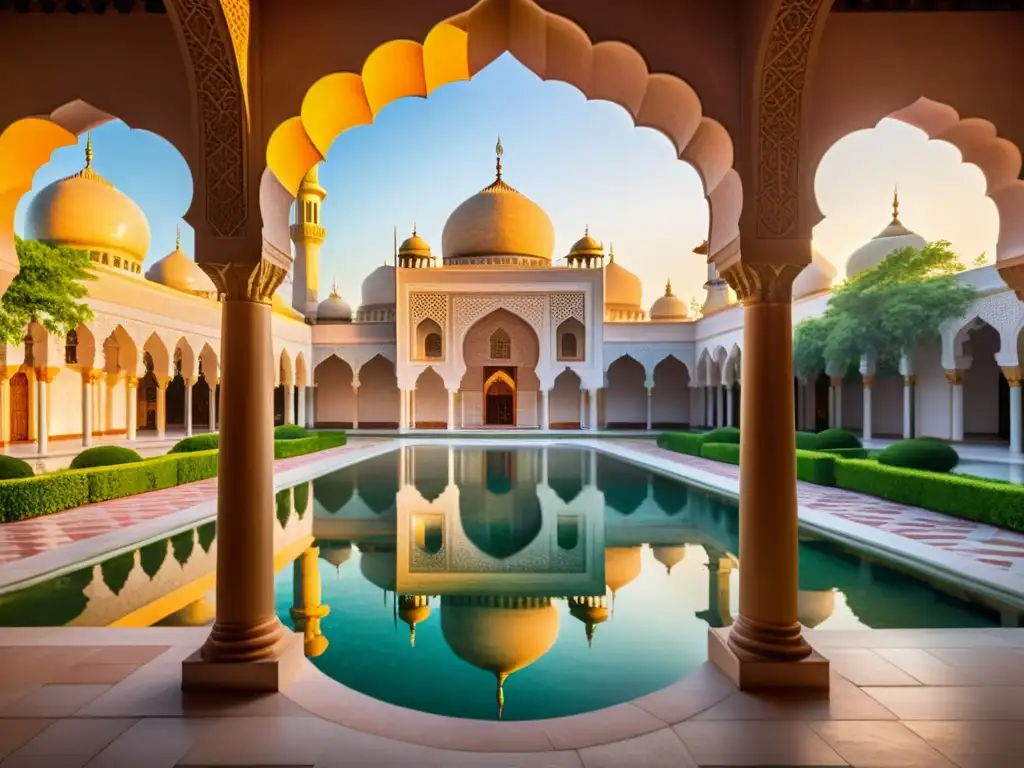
(499, 634)
(591, 611)
(378, 565)
(621, 566)
(670, 556)
(413, 610)
(336, 553)
(815, 607)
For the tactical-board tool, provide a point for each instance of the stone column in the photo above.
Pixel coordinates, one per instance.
(583, 408)
(403, 409)
(131, 416)
(650, 407)
(837, 400)
(246, 628)
(412, 408)
(161, 406)
(188, 407)
(543, 400)
(355, 406)
(869, 384)
(289, 404)
(311, 406)
(451, 410)
(300, 408)
(43, 378)
(1013, 378)
(908, 406)
(767, 630)
(730, 417)
(709, 407)
(213, 404)
(719, 409)
(956, 396)
(592, 423)
(87, 381)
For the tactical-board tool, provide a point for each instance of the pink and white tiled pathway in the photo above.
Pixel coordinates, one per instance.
(985, 544)
(43, 534)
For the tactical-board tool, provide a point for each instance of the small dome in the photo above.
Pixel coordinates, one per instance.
(413, 610)
(587, 246)
(337, 554)
(669, 306)
(379, 287)
(378, 567)
(621, 287)
(334, 309)
(814, 607)
(496, 226)
(621, 566)
(670, 556)
(893, 238)
(414, 246)
(817, 277)
(176, 270)
(591, 611)
(87, 212)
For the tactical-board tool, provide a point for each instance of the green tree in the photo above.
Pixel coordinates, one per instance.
(48, 290)
(898, 305)
(695, 307)
(980, 260)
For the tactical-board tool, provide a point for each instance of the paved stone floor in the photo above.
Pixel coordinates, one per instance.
(108, 698)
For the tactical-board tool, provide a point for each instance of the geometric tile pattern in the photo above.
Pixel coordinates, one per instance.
(995, 547)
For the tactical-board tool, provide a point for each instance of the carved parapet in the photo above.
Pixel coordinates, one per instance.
(254, 281)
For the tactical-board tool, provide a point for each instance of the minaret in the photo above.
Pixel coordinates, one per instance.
(717, 289)
(308, 235)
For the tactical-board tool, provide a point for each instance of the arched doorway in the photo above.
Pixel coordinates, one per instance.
(146, 415)
(499, 398)
(625, 397)
(19, 407)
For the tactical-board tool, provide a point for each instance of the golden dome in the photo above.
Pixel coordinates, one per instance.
(622, 289)
(893, 238)
(413, 609)
(498, 226)
(670, 556)
(591, 611)
(279, 307)
(499, 634)
(414, 246)
(669, 306)
(817, 277)
(814, 607)
(334, 309)
(621, 566)
(85, 211)
(587, 245)
(176, 270)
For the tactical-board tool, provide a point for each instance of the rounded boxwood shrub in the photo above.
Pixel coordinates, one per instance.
(290, 432)
(722, 435)
(11, 468)
(104, 456)
(204, 442)
(837, 438)
(920, 453)
(806, 441)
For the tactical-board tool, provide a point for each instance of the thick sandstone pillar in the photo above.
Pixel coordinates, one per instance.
(592, 422)
(311, 405)
(869, 384)
(1013, 378)
(246, 628)
(451, 410)
(161, 406)
(213, 404)
(188, 407)
(43, 378)
(131, 416)
(956, 397)
(300, 409)
(87, 380)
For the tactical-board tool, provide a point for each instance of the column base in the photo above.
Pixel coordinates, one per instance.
(264, 676)
(753, 674)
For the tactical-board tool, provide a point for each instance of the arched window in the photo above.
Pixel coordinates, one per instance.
(501, 345)
(432, 346)
(71, 348)
(569, 345)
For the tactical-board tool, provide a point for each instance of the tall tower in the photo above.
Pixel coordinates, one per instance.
(308, 235)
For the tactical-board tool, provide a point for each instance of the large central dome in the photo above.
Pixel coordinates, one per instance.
(498, 226)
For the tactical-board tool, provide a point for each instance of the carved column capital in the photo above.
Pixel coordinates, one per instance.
(131, 381)
(762, 283)
(955, 377)
(46, 375)
(1012, 374)
(868, 380)
(254, 281)
(836, 381)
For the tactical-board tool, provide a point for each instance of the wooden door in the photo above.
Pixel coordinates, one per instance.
(19, 407)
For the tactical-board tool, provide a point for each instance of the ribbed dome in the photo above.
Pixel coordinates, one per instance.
(669, 306)
(498, 226)
(893, 238)
(670, 556)
(814, 607)
(176, 270)
(85, 211)
(587, 246)
(622, 289)
(379, 287)
(817, 277)
(333, 309)
(414, 245)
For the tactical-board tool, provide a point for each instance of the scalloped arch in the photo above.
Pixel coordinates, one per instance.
(552, 47)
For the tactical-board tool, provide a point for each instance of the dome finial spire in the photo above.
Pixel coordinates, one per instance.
(88, 150)
(177, 238)
(335, 295)
(501, 692)
(668, 287)
(611, 252)
(414, 229)
(498, 151)
(896, 204)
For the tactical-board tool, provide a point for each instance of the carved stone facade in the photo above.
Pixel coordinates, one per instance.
(565, 306)
(470, 308)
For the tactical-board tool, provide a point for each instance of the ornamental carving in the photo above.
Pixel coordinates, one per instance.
(468, 309)
(219, 81)
(250, 281)
(783, 78)
(565, 306)
(759, 283)
(423, 306)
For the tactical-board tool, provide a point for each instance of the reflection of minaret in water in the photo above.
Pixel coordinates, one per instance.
(413, 609)
(307, 603)
(718, 613)
(591, 610)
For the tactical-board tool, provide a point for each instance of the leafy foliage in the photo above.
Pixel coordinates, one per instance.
(48, 290)
(920, 453)
(898, 305)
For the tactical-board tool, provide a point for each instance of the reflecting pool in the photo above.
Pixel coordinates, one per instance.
(518, 583)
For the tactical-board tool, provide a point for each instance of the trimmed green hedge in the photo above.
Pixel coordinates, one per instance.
(727, 452)
(206, 442)
(807, 441)
(845, 453)
(722, 435)
(11, 468)
(920, 453)
(837, 438)
(681, 442)
(811, 466)
(290, 432)
(995, 503)
(105, 456)
(40, 495)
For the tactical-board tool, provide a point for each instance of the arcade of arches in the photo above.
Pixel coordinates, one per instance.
(751, 94)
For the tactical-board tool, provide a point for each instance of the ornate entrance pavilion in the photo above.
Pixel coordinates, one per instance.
(750, 92)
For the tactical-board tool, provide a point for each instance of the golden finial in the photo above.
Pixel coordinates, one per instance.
(668, 287)
(499, 151)
(336, 295)
(501, 692)
(412, 635)
(586, 231)
(611, 252)
(177, 238)
(896, 204)
(88, 150)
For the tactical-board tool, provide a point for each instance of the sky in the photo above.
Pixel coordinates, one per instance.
(583, 162)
